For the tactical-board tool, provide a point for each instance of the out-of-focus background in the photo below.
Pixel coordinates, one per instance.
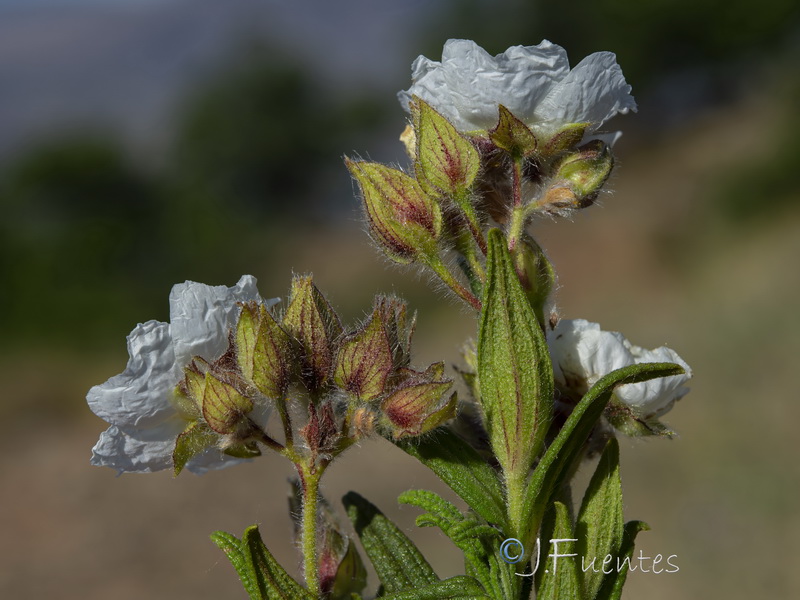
(146, 142)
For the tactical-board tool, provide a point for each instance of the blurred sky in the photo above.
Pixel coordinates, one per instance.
(122, 64)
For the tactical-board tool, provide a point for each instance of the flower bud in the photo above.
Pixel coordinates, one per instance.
(418, 408)
(536, 274)
(312, 320)
(365, 361)
(512, 135)
(225, 409)
(580, 176)
(263, 350)
(321, 433)
(403, 220)
(399, 327)
(446, 161)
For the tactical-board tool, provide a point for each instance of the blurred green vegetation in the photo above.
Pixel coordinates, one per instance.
(93, 237)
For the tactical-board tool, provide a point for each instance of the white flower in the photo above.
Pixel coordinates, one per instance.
(534, 82)
(138, 402)
(582, 353)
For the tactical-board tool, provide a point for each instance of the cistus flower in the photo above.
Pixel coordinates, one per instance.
(534, 83)
(139, 403)
(582, 353)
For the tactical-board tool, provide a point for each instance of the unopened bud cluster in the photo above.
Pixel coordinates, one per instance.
(345, 384)
(465, 183)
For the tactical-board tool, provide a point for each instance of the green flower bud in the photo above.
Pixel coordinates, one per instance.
(416, 408)
(225, 409)
(446, 161)
(403, 220)
(580, 176)
(399, 327)
(512, 135)
(365, 361)
(312, 320)
(263, 350)
(536, 274)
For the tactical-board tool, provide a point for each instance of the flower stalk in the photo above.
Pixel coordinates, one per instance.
(310, 476)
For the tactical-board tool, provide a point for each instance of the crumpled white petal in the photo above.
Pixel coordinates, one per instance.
(533, 82)
(137, 402)
(582, 353)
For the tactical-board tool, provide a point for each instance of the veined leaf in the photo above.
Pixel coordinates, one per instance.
(397, 561)
(613, 582)
(561, 580)
(514, 370)
(273, 581)
(462, 468)
(455, 588)
(232, 547)
(600, 523)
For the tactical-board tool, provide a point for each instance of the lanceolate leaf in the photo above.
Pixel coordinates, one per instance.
(561, 579)
(397, 561)
(462, 468)
(564, 450)
(455, 588)
(514, 369)
(613, 582)
(273, 581)
(600, 523)
(232, 547)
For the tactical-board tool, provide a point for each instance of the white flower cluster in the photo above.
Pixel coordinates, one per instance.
(138, 402)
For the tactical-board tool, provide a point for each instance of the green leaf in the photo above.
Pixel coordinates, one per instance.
(478, 542)
(600, 522)
(514, 371)
(192, 441)
(566, 448)
(397, 561)
(462, 468)
(233, 549)
(455, 588)
(561, 579)
(274, 583)
(446, 160)
(613, 582)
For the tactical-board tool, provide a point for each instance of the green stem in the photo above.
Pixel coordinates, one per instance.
(309, 477)
(518, 215)
(515, 491)
(435, 263)
(287, 424)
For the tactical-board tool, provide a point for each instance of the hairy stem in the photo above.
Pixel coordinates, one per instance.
(309, 478)
(435, 263)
